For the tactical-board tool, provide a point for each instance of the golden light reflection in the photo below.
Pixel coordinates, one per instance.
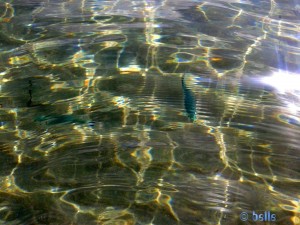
(20, 60)
(295, 220)
(195, 52)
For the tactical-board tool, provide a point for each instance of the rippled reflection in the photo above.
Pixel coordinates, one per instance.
(149, 112)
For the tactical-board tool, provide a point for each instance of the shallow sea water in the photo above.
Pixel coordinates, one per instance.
(149, 112)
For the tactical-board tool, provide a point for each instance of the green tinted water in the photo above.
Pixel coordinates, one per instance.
(149, 112)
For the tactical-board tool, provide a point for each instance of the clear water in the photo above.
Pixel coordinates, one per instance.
(149, 112)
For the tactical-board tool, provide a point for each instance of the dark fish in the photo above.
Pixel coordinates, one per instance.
(29, 102)
(189, 101)
(58, 119)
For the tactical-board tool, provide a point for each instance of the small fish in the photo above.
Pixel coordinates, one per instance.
(189, 101)
(60, 119)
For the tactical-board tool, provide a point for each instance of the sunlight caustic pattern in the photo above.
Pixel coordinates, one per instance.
(94, 122)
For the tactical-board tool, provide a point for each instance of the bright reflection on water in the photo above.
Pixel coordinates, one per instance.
(149, 112)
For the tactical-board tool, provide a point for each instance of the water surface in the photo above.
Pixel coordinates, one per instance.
(149, 112)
